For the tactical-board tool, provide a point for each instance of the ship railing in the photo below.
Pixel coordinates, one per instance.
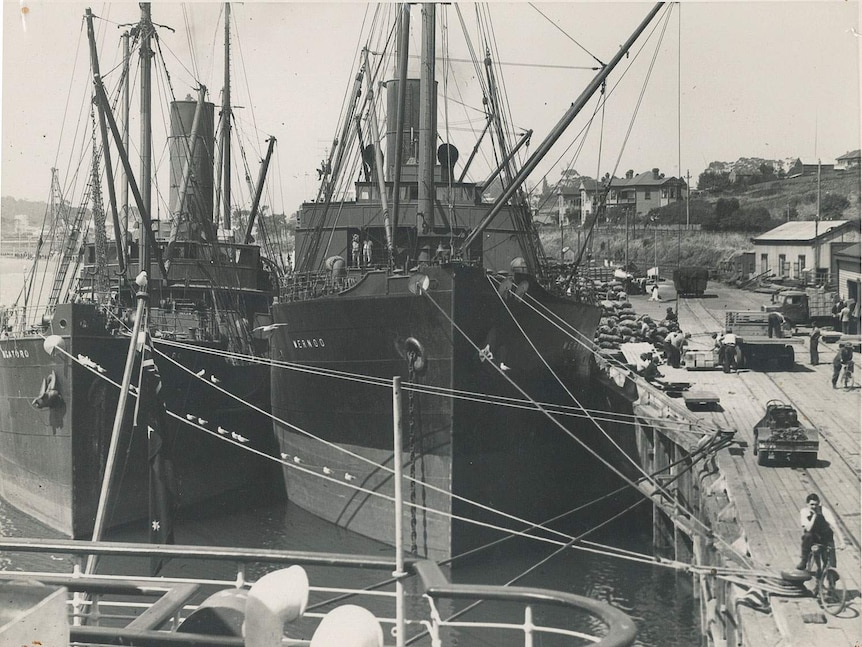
(310, 285)
(150, 608)
(24, 320)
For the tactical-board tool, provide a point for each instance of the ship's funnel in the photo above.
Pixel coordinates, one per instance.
(198, 204)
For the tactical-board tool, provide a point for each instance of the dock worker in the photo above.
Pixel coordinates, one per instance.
(728, 353)
(818, 527)
(673, 345)
(776, 322)
(647, 368)
(844, 357)
(844, 318)
(814, 346)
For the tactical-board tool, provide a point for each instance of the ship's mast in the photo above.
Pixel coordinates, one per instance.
(226, 117)
(427, 130)
(124, 185)
(146, 54)
(403, 52)
(99, 216)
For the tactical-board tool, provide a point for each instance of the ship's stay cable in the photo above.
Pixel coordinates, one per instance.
(568, 391)
(237, 440)
(692, 516)
(567, 35)
(338, 448)
(577, 336)
(189, 420)
(558, 409)
(554, 553)
(189, 30)
(695, 521)
(577, 543)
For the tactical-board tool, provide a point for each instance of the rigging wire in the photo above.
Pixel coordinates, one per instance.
(190, 420)
(700, 525)
(623, 418)
(566, 34)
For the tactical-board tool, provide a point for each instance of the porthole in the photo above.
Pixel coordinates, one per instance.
(63, 323)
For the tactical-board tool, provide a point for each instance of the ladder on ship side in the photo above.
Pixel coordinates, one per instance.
(71, 250)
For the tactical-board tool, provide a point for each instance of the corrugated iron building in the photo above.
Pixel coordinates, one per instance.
(793, 248)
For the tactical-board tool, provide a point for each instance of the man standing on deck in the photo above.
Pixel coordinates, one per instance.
(654, 293)
(813, 346)
(818, 527)
(844, 317)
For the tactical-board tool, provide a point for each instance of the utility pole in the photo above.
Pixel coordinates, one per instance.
(817, 225)
(687, 199)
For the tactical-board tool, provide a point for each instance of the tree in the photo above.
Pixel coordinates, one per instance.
(833, 205)
(713, 181)
(725, 207)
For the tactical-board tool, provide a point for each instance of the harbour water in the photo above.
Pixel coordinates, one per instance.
(660, 601)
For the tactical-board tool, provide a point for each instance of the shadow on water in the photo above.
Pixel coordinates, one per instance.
(660, 602)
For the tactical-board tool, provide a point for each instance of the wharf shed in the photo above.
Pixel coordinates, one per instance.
(794, 247)
(846, 268)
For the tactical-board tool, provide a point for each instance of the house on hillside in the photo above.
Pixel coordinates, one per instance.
(569, 203)
(846, 268)
(800, 168)
(847, 161)
(795, 248)
(739, 176)
(635, 193)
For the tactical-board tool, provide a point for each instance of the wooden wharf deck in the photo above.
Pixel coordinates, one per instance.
(767, 500)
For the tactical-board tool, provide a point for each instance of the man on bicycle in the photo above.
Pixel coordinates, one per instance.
(818, 527)
(843, 358)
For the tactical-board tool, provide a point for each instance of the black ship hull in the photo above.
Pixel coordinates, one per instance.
(52, 460)
(513, 459)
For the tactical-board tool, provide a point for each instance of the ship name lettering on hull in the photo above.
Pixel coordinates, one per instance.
(11, 354)
(314, 342)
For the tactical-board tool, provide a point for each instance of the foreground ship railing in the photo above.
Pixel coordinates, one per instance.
(159, 611)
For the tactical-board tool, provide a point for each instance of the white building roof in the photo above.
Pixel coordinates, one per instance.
(799, 230)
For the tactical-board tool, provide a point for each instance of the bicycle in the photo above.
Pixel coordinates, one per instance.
(847, 376)
(829, 586)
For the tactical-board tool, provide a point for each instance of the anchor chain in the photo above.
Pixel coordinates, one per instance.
(411, 421)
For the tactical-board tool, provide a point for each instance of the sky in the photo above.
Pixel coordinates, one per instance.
(729, 80)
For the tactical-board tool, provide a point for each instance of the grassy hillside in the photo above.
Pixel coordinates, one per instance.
(645, 248)
(800, 193)
(796, 197)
